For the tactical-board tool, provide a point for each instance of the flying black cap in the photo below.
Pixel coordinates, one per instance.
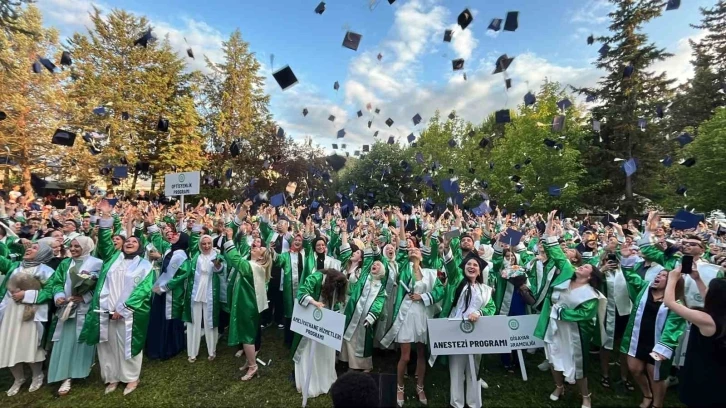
(550, 143)
(336, 162)
(681, 190)
(320, 9)
(483, 142)
(495, 25)
(145, 39)
(391, 140)
(335, 146)
(66, 59)
(628, 71)
(452, 115)
(48, 64)
(331, 118)
(502, 63)
(359, 113)
(590, 39)
(502, 116)
(519, 188)
(465, 18)
(529, 99)
(3, 115)
(190, 53)
(366, 148)
(688, 162)
(604, 50)
(558, 122)
(515, 178)
(63, 138)
(673, 5)
(336, 85)
(162, 125)
(370, 122)
(280, 132)
(452, 143)
(234, 149)
(684, 139)
(457, 64)
(554, 191)
(564, 104)
(406, 208)
(447, 35)
(120, 172)
(285, 77)
(667, 161)
(411, 138)
(352, 40)
(341, 133)
(37, 67)
(416, 119)
(419, 158)
(277, 200)
(512, 21)
(389, 122)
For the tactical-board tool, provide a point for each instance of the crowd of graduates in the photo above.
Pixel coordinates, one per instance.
(117, 281)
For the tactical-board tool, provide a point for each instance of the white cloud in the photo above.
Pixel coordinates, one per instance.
(679, 65)
(593, 12)
(463, 42)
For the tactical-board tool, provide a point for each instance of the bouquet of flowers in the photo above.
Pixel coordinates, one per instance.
(24, 281)
(83, 280)
(515, 274)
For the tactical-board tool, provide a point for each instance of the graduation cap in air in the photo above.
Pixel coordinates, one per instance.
(659, 111)
(305, 112)
(370, 122)
(673, 5)
(336, 86)
(352, 40)
(550, 143)
(234, 150)
(66, 59)
(590, 39)
(642, 123)
(447, 35)
(554, 191)
(341, 133)
(419, 158)
(449, 186)
(529, 99)
(336, 162)
(681, 190)
(628, 71)
(512, 237)
(320, 9)
(63, 138)
(519, 188)
(512, 21)
(278, 200)
(684, 139)
(502, 116)
(411, 138)
(515, 178)
(389, 122)
(667, 161)
(93, 150)
(558, 123)
(120, 172)
(517, 166)
(115, 181)
(190, 53)
(37, 67)
(491, 165)
(416, 119)
(366, 148)
(452, 143)
(3, 115)
(335, 146)
(596, 125)
(690, 162)
(604, 50)
(375, 134)
(404, 165)
(144, 39)
(457, 64)
(125, 116)
(280, 132)
(360, 113)
(684, 220)
(630, 167)
(564, 104)
(162, 125)
(285, 77)
(464, 19)
(391, 140)
(143, 167)
(378, 110)
(452, 115)
(495, 25)
(508, 83)
(331, 118)
(502, 63)
(48, 64)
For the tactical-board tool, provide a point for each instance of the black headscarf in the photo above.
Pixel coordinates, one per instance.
(182, 243)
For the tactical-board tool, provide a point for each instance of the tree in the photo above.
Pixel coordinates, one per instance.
(10, 24)
(34, 103)
(236, 110)
(706, 180)
(136, 86)
(627, 93)
(714, 43)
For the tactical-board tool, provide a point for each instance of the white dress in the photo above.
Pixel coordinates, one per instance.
(415, 327)
(322, 366)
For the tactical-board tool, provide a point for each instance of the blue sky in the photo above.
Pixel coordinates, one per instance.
(415, 74)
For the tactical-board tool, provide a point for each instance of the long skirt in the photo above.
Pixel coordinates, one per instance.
(112, 356)
(323, 368)
(19, 340)
(69, 358)
(165, 338)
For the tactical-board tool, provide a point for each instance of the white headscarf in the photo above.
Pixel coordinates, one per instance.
(86, 244)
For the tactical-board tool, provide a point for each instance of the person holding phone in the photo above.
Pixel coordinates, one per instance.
(703, 377)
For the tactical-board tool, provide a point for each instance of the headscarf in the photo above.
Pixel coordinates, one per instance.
(86, 244)
(139, 252)
(182, 243)
(201, 251)
(44, 254)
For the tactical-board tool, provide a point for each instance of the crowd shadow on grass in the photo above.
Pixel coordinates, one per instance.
(178, 383)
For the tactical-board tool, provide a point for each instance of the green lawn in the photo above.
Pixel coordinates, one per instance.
(206, 384)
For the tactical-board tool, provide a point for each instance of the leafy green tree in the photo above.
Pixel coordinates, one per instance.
(137, 86)
(34, 103)
(10, 24)
(713, 21)
(628, 92)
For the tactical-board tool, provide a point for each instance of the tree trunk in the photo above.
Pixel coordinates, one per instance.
(133, 184)
(26, 179)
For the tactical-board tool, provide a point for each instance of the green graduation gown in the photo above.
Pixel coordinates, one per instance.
(244, 320)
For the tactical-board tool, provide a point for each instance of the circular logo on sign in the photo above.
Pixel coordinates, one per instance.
(137, 279)
(181, 178)
(698, 297)
(513, 324)
(318, 315)
(466, 326)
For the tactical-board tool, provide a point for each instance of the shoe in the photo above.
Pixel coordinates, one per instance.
(16, 387)
(191, 359)
(130, 387)
(252, 372)
(556, 397)
(239, 353)
(583, 401)
(605, 382)
(399, 402)
(280, 326)
(671, 381)
(483, 384)
(419, 391)
(211, 358)
(544, 366)
(36, 383)
(245, 366)
(65, 388)
(111, 388)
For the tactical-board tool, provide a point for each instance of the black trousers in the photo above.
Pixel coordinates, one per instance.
(275, 309)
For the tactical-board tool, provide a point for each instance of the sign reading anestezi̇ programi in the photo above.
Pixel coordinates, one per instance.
(181, 184)
(321, 325)
(488, 335)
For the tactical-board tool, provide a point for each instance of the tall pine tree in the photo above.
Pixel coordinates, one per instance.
(713, 21)
(628, 92)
